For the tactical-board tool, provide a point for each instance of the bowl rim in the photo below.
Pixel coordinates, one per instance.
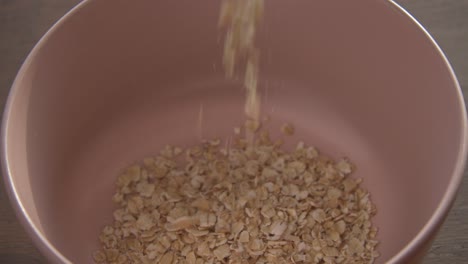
(40, 241)
(445, 204)
(423, 236)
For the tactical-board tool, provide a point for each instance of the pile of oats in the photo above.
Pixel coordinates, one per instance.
(240, 204)
(249, 202)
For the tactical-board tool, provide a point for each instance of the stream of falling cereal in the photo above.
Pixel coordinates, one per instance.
(240, 18)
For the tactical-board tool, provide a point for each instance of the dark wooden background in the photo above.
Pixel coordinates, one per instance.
(23, 22)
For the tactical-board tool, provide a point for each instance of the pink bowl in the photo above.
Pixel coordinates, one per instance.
(114, 80)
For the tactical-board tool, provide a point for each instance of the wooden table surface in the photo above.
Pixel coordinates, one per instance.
(23, 22)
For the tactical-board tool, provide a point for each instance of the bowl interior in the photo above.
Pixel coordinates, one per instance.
(114, 82)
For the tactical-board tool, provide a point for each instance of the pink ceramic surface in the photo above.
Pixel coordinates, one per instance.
(115, 80)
